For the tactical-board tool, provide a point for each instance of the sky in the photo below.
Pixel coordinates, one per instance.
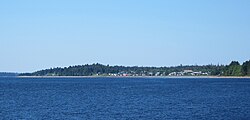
(40, 34)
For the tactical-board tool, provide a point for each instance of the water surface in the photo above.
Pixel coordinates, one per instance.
(124, 98)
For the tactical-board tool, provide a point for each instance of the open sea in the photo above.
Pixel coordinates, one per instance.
(125, 98)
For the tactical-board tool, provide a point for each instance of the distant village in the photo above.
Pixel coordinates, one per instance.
(188, 73)
(233, 69)
(145, 73)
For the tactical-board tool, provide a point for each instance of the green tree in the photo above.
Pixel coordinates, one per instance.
(246, 68)
(233, 69)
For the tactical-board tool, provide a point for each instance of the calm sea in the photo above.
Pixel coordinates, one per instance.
(124, 98)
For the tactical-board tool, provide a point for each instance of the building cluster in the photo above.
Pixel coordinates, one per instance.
(145, 73)
(188, 73)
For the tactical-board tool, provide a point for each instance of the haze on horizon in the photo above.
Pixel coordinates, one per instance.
(36, 35)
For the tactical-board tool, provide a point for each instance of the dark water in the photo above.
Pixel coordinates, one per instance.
(124, 98)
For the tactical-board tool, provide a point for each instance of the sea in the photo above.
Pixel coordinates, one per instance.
(112, 98)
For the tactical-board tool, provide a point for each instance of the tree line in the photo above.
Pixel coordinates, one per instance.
(233, 69)
(8, 74)
(236, 69)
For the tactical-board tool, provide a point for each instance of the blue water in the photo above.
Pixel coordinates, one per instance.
(124, 98)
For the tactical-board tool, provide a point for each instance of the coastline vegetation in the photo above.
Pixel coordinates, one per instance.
(233, 69)
(8, 74)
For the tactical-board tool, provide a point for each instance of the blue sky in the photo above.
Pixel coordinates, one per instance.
(39, 34)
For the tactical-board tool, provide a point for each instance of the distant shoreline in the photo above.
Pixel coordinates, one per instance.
(133, 76)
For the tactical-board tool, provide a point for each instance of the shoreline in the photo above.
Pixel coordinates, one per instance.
(133, 77)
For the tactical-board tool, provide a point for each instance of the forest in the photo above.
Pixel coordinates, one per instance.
(233, 69)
